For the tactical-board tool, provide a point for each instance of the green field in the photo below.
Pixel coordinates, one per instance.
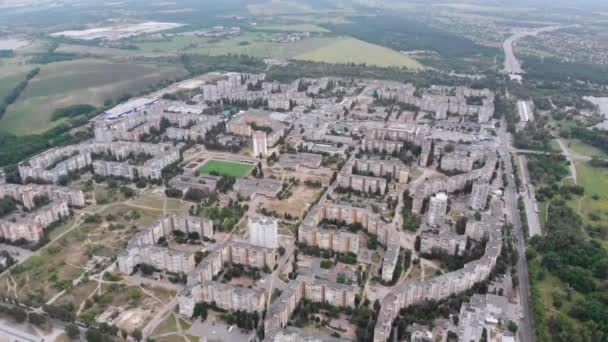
(225, 168)
(9, 82)
(294, 28)
(255, 44)
(88, 81)
(351, 50)
(580, 147)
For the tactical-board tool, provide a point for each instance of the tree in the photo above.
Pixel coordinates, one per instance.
(18, 314)
(137, 334)
(37, 319)
(200, 310)
(513, 327)
(72, 331)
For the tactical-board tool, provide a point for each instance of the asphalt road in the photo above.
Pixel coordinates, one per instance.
(526, 325)
(512, 65)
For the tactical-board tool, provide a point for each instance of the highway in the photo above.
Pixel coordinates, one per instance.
(526, 325)
(512, 65)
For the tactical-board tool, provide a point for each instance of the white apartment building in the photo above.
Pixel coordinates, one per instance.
(260, 144)
(438, 206)
(263, 231)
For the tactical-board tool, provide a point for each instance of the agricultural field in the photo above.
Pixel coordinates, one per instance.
(295, 28)
(9, 82)
(225, 168)
(88, 81)
(351, 50)
(256, 44)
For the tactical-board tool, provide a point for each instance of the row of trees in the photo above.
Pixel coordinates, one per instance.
(16, 92)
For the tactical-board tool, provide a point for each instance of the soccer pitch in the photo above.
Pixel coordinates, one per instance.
(225, 168)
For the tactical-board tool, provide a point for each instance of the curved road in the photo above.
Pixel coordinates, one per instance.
(512, 65)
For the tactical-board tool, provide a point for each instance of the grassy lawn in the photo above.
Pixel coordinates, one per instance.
(595, 182)
(225, 168)
(90, 81)
(184, 323)
(168, 325)
(351, 50)
(55, 232)
(581, 148)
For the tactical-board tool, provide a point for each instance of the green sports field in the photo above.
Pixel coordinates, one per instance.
(225, 168)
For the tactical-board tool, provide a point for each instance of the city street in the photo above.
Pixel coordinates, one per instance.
(526, 325)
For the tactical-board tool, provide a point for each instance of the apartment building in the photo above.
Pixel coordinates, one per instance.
(243, 253)
(439, 287)
(368, 184)
(51, 165)
(391, 257)
(260, 144)
(444, 241)
(263, 231)
(224, 296)
(30, 226)
(341, 241)
(490, 312)
(141, 248)
(438, 205)
(479, 195)
(377, 167)
(309, 288)
(457, 161)
(26, 194)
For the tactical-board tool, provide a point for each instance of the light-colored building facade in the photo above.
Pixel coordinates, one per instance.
(260, 144)
(263, 231)
(438, 206)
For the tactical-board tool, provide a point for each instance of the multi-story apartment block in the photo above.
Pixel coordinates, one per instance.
(479, 195)
(27, 194)
(337, 240)
(438, 205)
(263, 232)
(141, 247)
(444, 241)
(243, 253)
(161, 258)
(260, 144)
(51, 165)
(391, 257)
(476, 230)
(439, 287)
(392, 168)
(457, 161)
(30, 226)
(308, 288)
(224, 296)
(345, 213)
(368, 184)
(483, 312)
